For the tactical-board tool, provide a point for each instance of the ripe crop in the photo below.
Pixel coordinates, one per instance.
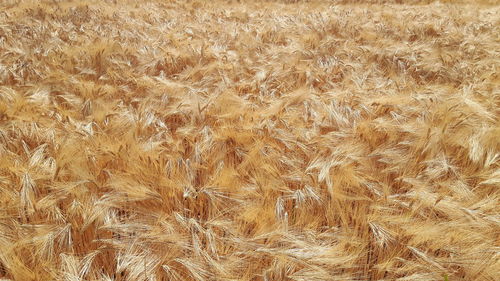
(249, 140)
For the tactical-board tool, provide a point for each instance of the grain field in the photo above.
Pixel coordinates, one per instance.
(249, 140)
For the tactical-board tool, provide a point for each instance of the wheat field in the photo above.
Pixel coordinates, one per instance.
(249, 140)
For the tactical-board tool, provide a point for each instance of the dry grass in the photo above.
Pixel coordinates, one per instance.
(183, 140)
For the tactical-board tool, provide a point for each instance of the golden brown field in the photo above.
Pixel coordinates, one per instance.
(247, 140)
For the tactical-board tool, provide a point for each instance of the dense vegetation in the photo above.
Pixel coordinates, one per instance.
(247, 140)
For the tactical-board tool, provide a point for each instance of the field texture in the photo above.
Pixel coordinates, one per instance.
(278, 140)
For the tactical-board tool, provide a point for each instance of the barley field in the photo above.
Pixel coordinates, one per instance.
(249, 140)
